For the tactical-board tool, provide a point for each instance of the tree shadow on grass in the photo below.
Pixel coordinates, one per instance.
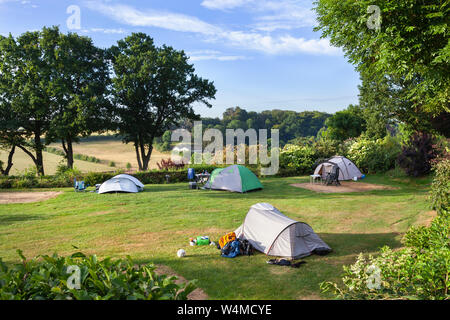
(11, 218)
(251, 277)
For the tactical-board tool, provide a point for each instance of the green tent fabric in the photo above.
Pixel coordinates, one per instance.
(235, 178)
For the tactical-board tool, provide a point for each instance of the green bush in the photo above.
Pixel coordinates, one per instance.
(51, 278)
(374, 156)
(440, 188)
(418, 271)
(299, 158)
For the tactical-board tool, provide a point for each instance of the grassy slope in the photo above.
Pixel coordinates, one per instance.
(51, 161)
(109, 150)
(153, 225)
(114, 150)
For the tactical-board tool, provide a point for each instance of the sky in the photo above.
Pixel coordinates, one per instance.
(260, 54)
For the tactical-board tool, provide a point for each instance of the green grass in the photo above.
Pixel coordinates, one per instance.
(151, 227)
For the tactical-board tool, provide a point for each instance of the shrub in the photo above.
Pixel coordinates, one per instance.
(112, 164)
(49, 278)
(417, 154)
(440, 188)
(374, 156)
(168, 164)
(418, 271)
(299, 158)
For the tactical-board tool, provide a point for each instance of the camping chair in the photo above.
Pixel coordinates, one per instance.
(333, 177)
(80, 186)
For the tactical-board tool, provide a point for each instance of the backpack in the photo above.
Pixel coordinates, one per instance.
(246, 248)
(229, 237)
(231, 249)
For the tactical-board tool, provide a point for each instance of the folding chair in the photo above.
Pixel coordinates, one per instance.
(333, 177)
(80, 186)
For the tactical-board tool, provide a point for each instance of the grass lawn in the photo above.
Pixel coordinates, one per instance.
(151, 227)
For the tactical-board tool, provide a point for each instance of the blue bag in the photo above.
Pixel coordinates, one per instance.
(191, 174)
(231, 249)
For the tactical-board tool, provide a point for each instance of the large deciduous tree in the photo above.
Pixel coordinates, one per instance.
(153, 89)
(345, 124)
(26, 85)
(80, 77)
(410, 53)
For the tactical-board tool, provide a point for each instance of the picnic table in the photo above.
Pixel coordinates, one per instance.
(314, 177)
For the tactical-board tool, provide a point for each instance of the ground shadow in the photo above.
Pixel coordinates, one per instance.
(11, 218)
(247, 277)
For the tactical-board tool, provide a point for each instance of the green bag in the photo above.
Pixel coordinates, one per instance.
(203, 241)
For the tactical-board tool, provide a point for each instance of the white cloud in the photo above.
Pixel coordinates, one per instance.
(251, 40)
(224, 4)
(202, 55)
(152, 18)
(107, 31)
(281, 44)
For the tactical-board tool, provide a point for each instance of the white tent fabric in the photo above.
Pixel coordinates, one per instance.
(118, 185)
(139, 184)
(347, 169)
(271, 232)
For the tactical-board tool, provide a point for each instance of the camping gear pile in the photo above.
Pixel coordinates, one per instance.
(120, 183)
(231, 247)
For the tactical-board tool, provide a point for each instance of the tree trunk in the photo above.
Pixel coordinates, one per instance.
(5, 171)
(143, 157)
(146, 158)
(39, 160)
(69, 151)
(138, 156)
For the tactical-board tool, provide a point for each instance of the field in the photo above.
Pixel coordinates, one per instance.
(151, 227)
(23, 162)
(107, 150)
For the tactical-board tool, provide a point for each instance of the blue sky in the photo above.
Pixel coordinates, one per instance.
(261, 54)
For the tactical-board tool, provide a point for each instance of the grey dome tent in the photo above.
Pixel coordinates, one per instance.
(139, 184)
(347, 169)
(271, 232)
(235, 178)
(115, 185)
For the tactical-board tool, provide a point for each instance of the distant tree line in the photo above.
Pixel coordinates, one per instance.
(292, 124)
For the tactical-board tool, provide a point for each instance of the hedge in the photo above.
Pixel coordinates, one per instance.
(93, 178)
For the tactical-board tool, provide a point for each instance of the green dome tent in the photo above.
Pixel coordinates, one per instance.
(235, 178)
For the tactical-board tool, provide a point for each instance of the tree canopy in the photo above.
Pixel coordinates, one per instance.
(153, 89)
(409, 53)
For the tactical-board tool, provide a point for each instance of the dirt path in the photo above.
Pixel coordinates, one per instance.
(26, 197)
(345, 187)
